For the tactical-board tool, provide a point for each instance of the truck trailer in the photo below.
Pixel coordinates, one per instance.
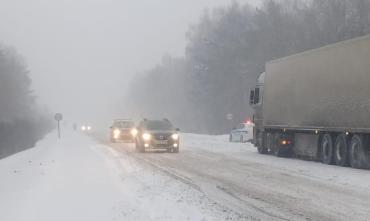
(316, 105)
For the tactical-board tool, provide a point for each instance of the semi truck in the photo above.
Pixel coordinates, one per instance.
(316, 105)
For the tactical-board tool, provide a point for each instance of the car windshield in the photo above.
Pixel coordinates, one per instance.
(124, 124)
(158, 125)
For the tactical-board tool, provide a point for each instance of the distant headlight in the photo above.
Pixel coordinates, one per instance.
(88, 128)
(134, 132)
(147, 136)
(83, 128)
(175, 136)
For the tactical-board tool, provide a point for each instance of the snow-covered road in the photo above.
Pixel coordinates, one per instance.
(264, 187)
(86, 178)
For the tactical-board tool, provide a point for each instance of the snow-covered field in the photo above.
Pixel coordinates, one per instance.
(86, 178)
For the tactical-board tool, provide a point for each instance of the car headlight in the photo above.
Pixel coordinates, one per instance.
(83, 128)
(88, 128)
(175, 136)
(116, 132)
(134, 132)
(147, 136)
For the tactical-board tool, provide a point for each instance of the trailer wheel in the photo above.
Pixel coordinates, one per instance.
(261, 146)
(358, 156)
(327, 149)
(262, 150)
(270, 139)
(341, 150)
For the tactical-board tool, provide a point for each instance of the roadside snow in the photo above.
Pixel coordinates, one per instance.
(79, 179)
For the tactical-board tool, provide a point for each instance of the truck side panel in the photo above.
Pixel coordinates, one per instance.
(323, 88)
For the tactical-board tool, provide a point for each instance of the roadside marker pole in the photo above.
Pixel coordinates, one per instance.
(58, 129)
(58, 117)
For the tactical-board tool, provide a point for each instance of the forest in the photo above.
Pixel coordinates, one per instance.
(226, 52)
(22, 123)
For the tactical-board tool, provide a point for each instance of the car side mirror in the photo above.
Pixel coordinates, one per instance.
(177, 129)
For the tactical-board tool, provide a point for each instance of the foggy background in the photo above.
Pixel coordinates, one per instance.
(82, 53)
(98, 60)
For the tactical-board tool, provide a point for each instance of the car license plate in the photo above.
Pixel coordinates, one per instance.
(161, 142)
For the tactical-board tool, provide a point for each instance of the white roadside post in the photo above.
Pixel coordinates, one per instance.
(58, 117)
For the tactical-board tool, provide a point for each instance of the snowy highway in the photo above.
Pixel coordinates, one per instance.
(211, 110)
(87, 178)
(261, 187)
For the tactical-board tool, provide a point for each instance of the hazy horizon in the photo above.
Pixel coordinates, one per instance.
(82, 53)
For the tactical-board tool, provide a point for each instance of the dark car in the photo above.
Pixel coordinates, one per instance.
(122, 130)
(157, 135)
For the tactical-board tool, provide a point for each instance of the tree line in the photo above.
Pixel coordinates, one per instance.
(227, 50)
(21, 121)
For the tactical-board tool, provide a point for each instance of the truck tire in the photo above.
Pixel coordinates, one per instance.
(358, 156)
(270, 139)
(262, 150)
(327, 149)
(341, 150)
(261, 146)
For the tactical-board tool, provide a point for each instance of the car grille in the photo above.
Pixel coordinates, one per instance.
(125, 132)
(162, 136)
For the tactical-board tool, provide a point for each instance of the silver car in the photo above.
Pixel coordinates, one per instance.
(242, 133)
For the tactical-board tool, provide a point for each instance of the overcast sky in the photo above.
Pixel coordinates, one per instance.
(81, 53)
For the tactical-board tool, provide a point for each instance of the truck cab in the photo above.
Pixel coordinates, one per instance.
(256, 100)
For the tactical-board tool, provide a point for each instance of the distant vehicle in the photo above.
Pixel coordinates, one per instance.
(316, 105)
(123, 130)
(157, 135)
(86, 128)
(242, 133)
